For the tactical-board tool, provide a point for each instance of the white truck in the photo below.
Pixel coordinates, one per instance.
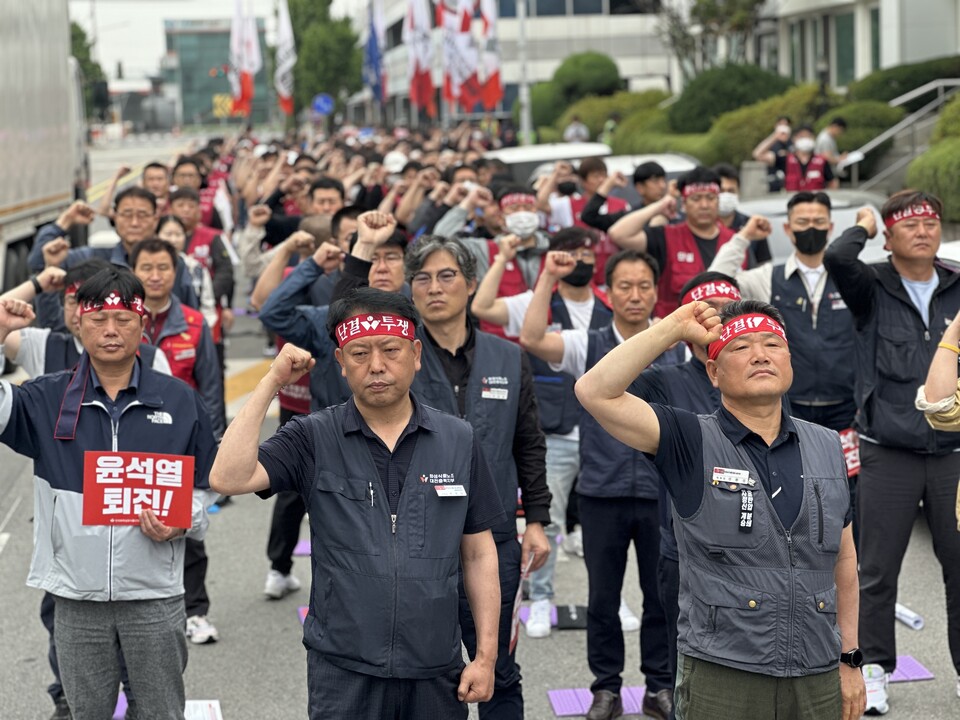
(42, 128)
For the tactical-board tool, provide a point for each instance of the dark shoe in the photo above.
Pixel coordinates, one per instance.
(658, 705)
(606, 705)
(62, 710)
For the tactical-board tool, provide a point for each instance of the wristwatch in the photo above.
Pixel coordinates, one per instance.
(854, 658)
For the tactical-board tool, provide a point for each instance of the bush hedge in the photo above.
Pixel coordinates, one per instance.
(865, 120)
(948, 125)
(594, 111)
(546, 104)
(938, 171)
(586, 73)
(716, 91)
(648, 131)
(885, 85)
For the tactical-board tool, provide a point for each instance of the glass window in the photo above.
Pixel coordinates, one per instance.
(634, 7)
(551, 7)
(875, 39)
(508, 8)
(511, 91)
(844, 43)
(587, 7)
(797, 50)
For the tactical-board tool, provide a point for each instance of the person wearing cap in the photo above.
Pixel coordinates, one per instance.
(575, 303)
(400, 498)
(902, 310)
(488, 381)
(768, 568)
(113, 584)
(684, 249)
(617, 486)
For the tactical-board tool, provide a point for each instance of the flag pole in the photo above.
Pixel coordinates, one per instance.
(526, 121)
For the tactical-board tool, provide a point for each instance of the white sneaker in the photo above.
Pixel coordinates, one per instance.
(200, 630)
(279, 585)
(538, 623)
(573, 542)
(628, 621)
(876, 681)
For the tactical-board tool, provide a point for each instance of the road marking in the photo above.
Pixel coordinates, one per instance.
(244, 381)
(10, 512)
(3, 540)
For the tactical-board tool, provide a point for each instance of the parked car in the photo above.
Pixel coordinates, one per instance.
(524, 160)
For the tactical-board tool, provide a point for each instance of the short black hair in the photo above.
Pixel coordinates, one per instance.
(79, 274)
(804, 128)
(152, 245)
(135, 191)
(573, 237)
(155, 165)
(591, 165)
(305, 156)
(705, 277)
(347, 212)
(112, 278)
(186, 160)
(647, 170)
(415, 165)
(398, 239)
(839, 122)
(700, 175)
(728, 171)
(805, 196)
(327, 183)
(171, 219)
(750, 307)
(184, 193)
(372, 300)
(630, 256)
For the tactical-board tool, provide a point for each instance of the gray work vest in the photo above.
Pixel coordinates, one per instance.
(493, 399)
(384, 600)
(763, 601)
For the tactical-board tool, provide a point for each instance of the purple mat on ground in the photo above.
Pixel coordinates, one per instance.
(909, 669)
(302, 549)
(121, 707)
(525, 613)
(576, 701)
(302, 613)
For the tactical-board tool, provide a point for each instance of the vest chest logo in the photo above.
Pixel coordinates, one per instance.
(494, 380)
(201, 252)
(685, 257)
(494, 393)
(160, 418)
(836, 302)
(438, 478)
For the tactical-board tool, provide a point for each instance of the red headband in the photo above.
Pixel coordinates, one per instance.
(712, 289)
(360, 326)
(114, 302)
(71, 289)
(695, 188)
(741, 326)
(517, 199)
(921, 210)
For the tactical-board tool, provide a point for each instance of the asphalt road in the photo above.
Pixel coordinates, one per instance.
(257, 669)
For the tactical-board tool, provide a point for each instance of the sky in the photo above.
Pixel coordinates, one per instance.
(131, 31)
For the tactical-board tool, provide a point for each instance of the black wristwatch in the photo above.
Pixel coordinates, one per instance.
(854, 658)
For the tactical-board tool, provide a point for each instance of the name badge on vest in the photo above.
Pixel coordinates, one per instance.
(450, 490)
(746, 511)
(732, 478)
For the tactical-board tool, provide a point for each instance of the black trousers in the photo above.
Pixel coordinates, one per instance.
(668, 584)
(609, 526)
(195, 578)
(347, 695)
(288, 512)
(893, 483)
(507, 700)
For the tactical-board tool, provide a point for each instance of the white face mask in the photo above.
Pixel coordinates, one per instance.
(728, 202)
(522, 224)
(804, 145)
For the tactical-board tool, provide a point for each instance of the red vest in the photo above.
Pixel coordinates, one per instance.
(682, 263)
(512, 283)
(296, 397)
(606, 247)
(200, 249)
(795, 180)
(181, 349)
(206, 204)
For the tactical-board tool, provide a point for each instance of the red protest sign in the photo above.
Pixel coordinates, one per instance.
(850, 442)
(117, 486)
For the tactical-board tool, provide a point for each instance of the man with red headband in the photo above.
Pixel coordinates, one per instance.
(768, 569)
(112, 583)
(901, 308)
(400, 498)
(684, 249)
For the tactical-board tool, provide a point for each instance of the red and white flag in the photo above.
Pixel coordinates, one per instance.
(286, 59)
(416, 36)
(491, 89)
(460, 56)
(245, 58)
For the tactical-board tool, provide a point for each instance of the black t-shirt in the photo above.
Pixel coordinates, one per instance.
(657, 246)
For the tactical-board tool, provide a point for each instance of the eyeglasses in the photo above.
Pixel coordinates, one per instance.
(391, 258)
(444, 277)
(142, 215)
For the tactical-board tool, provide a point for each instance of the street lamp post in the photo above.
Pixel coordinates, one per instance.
(526, 122)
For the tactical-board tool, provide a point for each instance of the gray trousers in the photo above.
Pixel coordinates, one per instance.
(151, 634)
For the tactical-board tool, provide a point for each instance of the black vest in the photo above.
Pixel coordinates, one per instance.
(559, 408)
(61, 353)
(821, 347)
(493, 398)
(385, 602)
(608, 468)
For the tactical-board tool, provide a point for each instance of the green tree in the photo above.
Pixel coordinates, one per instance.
(329, 58)
(733, 19)
(81, 48)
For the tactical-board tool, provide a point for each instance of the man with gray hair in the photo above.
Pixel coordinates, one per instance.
(487, 381)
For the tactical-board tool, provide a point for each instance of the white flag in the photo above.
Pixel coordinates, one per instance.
(286, 59)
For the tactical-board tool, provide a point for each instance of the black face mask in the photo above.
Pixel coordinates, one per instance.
(581, 275)
(810, 241)
(567, 188)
